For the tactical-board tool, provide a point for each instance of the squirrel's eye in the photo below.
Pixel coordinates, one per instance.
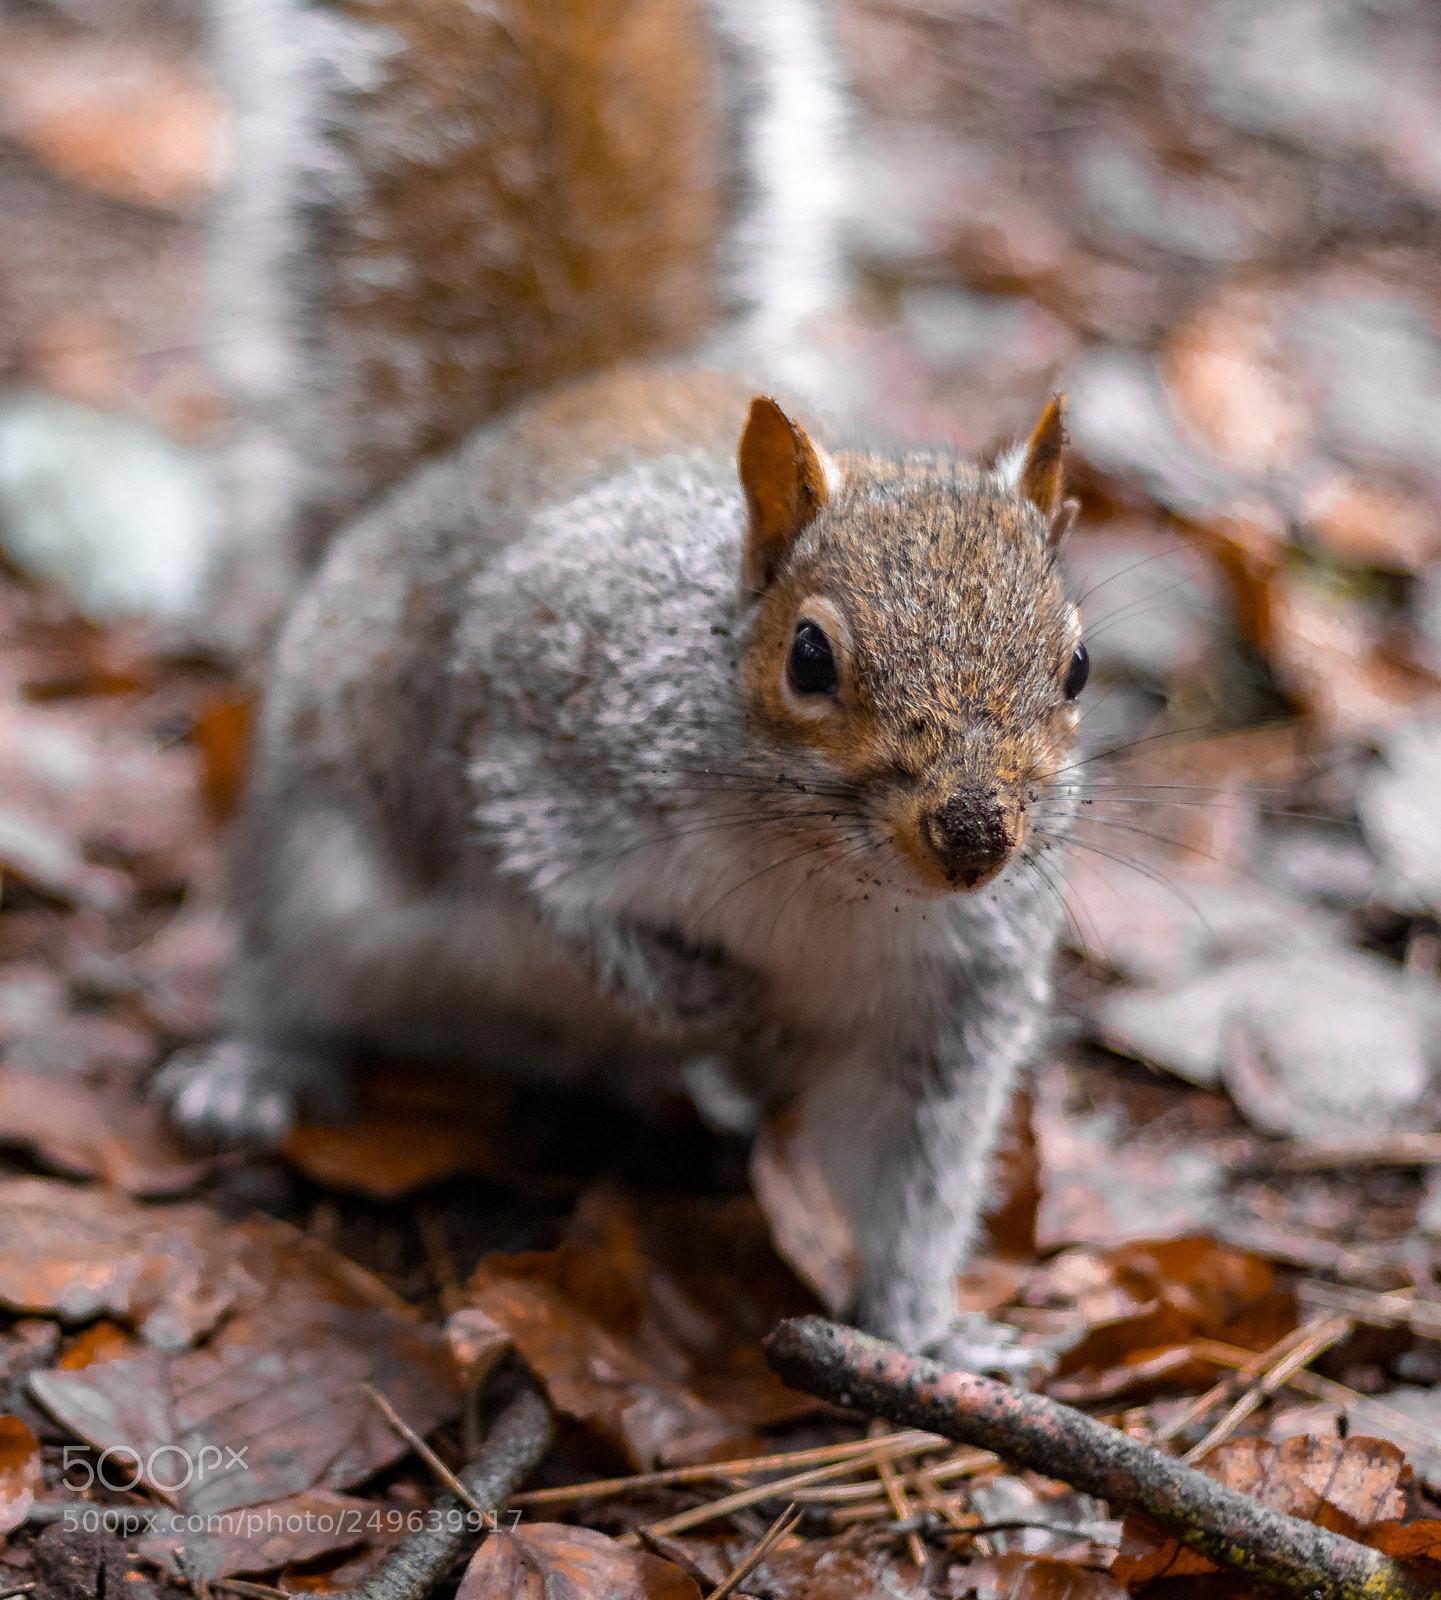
(810, 667)
(1077, 673)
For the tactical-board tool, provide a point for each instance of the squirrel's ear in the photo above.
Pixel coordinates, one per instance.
(786, 480)
(1041, 476)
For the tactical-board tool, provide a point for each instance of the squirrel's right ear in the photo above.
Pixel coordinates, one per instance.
(786, 480)
(1040, 475)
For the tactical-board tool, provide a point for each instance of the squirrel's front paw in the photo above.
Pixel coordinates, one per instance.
(239, 1091)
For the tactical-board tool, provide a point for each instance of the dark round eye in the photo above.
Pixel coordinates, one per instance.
(810, 667)
(1077, 673)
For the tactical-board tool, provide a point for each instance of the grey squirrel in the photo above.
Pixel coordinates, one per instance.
(641, 729)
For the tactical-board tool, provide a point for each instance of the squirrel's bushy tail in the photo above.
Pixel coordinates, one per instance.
(438, 207)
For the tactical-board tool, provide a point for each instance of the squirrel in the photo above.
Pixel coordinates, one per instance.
(643, 728)
(629, 727)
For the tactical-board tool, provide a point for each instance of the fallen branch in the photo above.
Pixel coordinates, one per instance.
(517, 1440)
(1233, 1530)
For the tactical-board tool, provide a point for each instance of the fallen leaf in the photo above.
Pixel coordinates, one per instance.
(476, 1344)
(590, 1374)
(106, 1131)
(1100, 1187)
(1341, 1484)
(103, 1340)
(415, 1128)
(77, 1253)
(1371, 526)
(21, 1472)
(857, 1565)
(1334, 658)
(279, 1387)
(807, 1224)
(261, 1538)
(552, 1561)
(1014, 1576)
(710, 1287)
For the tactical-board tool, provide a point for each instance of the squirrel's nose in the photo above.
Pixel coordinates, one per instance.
(970, 836)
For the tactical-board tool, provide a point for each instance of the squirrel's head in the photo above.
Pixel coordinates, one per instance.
(912, 652)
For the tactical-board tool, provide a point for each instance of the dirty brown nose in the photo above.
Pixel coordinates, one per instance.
(970, 837)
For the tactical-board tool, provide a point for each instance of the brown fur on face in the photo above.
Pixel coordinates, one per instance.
(950, 716)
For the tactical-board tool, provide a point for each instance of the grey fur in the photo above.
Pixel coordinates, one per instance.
(508, 803)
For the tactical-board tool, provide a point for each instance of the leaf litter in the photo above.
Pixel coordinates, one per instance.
(1212, 1227)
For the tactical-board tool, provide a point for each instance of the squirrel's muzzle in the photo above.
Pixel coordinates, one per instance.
(971, 837)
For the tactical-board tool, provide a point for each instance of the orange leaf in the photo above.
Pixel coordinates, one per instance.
(547, 1559)
(20, 1472)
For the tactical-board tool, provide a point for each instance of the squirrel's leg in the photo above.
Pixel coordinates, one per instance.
(904, 1131)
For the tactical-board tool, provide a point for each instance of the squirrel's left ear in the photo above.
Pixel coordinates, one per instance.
(1040, 477)
(787, 481)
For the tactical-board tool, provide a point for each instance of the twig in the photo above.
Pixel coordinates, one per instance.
(423, 1450)
(900, 1506)
(10, 1594)
(1318, 1336)
(519, 1437)
(1399, 1310)
(778, 1530)
(879, 1449)
(1231, 1529)
(251, 1591)
(710, 1471)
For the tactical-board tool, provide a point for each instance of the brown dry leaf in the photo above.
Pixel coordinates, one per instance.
(262, 1538)
(552, 1561)
(1333, 656)
(1371, 526)
(76, 1253)
(590, 1374)
(1014, 1576)
(475, 1343)
(1102, 1188)
(70, 785)
(710, 1287)
(222, 730)
(280, 1386)
(1407, 1541)
(103, 1340)
(1341, 1484)
(105, 1131)
(1185, 1289)
(116, 117)
(182, 968)
(858, 1565)
(1227, 375)
(414, 1129)
(807, 1224)
(21, 1472)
